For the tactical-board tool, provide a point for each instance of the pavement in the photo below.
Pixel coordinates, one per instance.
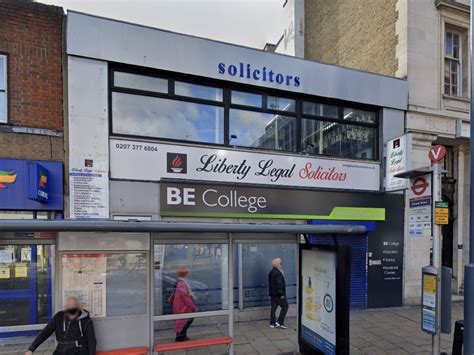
(378, 332)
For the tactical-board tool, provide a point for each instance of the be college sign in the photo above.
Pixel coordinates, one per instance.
(145, 161)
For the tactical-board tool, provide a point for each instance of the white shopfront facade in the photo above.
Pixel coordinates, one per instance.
(148, 108)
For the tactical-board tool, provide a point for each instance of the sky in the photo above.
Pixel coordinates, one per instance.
(250, 23)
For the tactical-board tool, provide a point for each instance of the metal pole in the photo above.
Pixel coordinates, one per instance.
(436, 178)
(469, 269)
(230, 294)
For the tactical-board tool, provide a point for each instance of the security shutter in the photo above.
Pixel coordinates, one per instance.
(358, 279)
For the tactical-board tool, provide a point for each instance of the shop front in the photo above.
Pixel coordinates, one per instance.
(168, 127)
(28, 190)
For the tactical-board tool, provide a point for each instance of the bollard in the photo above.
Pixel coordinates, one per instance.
(458, 338)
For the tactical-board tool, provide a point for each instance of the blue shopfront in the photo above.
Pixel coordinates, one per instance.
(28, 190)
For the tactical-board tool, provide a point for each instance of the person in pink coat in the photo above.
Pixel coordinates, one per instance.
(182, 302)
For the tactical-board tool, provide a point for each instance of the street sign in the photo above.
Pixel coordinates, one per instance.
(437, 153)
(419, 186)
(441, 212)
(429, 302)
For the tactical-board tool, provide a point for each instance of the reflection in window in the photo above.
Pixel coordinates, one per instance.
(246, 98)
(164, 118)
(281, 104)
(198, 91)
(359, 115)
(257, 263)
(322, 110)
(140, 82)
(203, 267)
(335, 139)
(263, 130)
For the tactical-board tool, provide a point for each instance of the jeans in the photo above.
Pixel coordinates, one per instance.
(182, 334)
(283, 303)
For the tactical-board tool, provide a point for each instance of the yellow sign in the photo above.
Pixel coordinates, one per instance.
(441, 216)
(429, 284)
(21, 271)
(4, 272)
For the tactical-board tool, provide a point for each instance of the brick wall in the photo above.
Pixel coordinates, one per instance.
(352, 33)
(31, 146)
(31, 36)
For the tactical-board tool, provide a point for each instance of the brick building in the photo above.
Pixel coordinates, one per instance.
(31, 99)
(425, 42)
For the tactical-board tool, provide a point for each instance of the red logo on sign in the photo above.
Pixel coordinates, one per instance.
(437, 153)
(419, 186)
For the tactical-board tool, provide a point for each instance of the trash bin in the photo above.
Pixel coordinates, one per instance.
(458, 338)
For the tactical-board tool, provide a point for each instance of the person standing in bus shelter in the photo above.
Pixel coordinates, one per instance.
(182, 302)
(277, 291)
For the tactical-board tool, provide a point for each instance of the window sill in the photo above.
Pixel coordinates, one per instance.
(456, 98)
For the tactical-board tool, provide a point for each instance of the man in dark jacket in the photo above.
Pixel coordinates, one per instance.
(73, 329)
(277, 290)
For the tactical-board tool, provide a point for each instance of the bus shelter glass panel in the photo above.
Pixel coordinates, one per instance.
(106, 284)
(256, 263)
(199, 269)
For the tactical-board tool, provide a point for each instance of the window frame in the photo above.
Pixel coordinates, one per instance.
(451, 59)
(227, 105)
(6, 86)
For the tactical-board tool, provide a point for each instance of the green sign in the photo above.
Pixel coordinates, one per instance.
(441, 204)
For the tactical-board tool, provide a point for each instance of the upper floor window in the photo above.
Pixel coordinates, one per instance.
(172, 107)
(453, 63)
(3, 89)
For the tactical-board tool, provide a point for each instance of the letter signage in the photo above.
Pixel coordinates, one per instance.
(145, 161)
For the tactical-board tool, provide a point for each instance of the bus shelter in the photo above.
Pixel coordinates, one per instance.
(124, 273)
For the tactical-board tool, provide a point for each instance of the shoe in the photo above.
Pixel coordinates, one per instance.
(272, 325)
(281, 326)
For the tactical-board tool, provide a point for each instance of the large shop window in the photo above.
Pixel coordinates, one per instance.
(3, 89)
(171, 108)
(26, 279)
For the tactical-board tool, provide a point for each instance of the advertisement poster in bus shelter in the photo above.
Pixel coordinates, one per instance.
(318, 319)
(84, 277)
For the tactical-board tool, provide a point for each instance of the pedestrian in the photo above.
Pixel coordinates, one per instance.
(277, 291)
(182, 302)
(73, 329)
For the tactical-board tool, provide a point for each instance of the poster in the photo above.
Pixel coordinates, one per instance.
(26, 254)
(21, 271)
(318, 321)
(6, 256)
(84, 276)
(4, 272)
(89, 190)
(419, 209)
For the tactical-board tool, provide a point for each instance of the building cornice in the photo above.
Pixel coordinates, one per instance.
(454, 5)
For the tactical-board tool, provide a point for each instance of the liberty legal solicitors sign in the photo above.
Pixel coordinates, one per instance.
(133, 160)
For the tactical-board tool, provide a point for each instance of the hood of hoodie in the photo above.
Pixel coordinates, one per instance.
(84, 314)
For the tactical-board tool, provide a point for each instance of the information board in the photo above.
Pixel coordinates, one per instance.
(429, 301)
(441, 212)
(84, 277)
(419, 209)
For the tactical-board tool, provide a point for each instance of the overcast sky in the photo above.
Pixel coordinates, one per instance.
(247, 22)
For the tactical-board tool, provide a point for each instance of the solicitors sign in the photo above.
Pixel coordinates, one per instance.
(145, 161)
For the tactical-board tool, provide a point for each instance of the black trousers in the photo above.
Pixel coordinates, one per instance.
(283, 303)
(183, 333)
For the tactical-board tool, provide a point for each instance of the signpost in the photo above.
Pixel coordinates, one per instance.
(436, 155)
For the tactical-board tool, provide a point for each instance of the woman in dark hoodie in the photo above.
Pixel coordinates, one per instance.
(73, 329)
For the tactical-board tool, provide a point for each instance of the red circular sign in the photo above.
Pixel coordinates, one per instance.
(437, 153)
(419, 186)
